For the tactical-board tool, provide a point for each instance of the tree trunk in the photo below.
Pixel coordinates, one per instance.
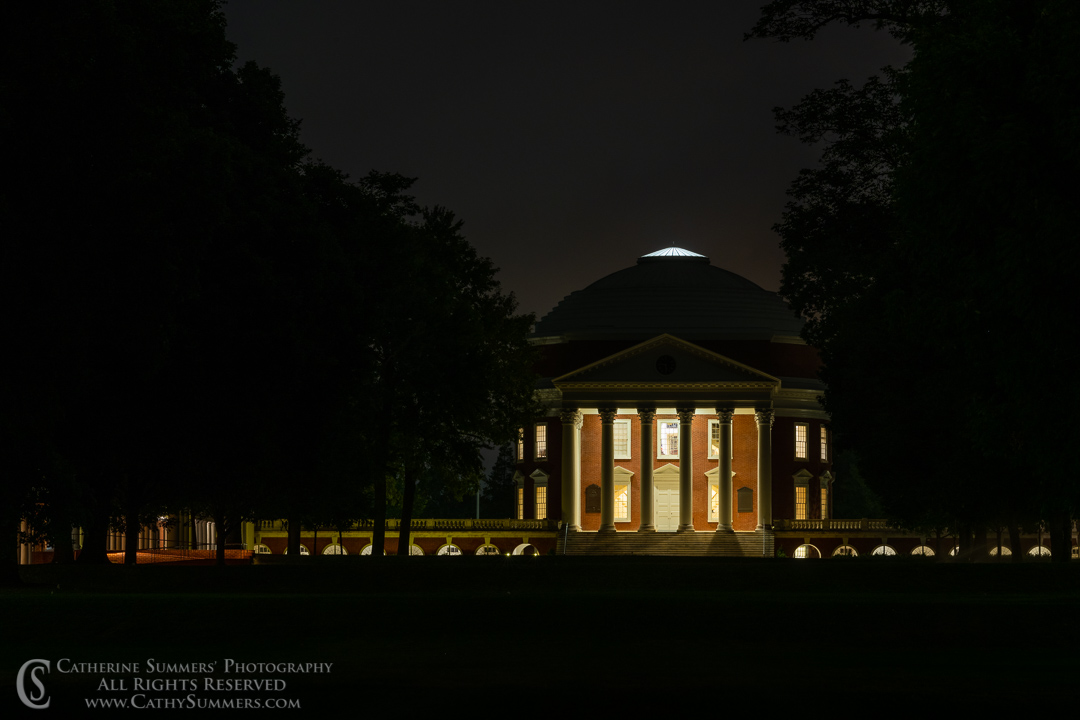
(1014, 541)
(95, 541)
(409, 494)
(131, 537)
(293, 546)
(963, 539)
(1061, 541)
(60, 535)
(382, 461)
(9, 570)
(220, 533)
(978, 548)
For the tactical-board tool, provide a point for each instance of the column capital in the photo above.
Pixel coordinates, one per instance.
(686, 415)
(607, 415)
(647, 415)
(570, 416)
(725, 414)
(764, 416)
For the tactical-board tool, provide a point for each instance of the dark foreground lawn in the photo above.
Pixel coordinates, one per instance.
(435, 635)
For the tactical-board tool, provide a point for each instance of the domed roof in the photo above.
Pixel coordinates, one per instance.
(671, 291)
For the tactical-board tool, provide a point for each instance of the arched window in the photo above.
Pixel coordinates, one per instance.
(367, 550)
(1005, 550)
(807, 551)
(487, 550)
(526, 549)
(845, 551)
(261, 549)
(415, 549)
(1039, 551)
(303, 550)
(923, 550)
(884, 550)
(449, 549)
(334, 549)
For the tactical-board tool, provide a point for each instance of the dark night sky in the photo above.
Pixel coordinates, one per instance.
(570, 137)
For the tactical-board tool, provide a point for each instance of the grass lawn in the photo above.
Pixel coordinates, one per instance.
(422, 634)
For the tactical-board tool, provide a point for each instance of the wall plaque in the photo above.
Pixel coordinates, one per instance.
(592, 498)
(746, 499)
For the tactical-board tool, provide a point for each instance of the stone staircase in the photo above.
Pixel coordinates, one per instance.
(700, 544)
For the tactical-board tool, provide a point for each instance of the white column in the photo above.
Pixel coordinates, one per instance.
(764, 468)
(607, 470)
(24, 547)
(686, 470)
(724, 520)
(571, 468)
(648, 434)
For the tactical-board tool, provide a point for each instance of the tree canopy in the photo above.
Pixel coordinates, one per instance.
(199, 316)
(931, 253)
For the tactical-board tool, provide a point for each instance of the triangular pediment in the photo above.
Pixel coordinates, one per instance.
(669, 361)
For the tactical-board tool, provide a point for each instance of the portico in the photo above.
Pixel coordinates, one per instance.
(682, 399)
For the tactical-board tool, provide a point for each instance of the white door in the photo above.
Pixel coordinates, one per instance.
(667, 507)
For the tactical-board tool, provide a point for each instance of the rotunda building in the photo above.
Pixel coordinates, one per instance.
(682, 414)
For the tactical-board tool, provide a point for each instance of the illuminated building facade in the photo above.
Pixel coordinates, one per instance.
(680, 401)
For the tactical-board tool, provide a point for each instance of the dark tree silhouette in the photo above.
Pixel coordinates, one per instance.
(931, 254)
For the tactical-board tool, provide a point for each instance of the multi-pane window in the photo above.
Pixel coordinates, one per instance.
(521, 445)
(800, 502)
(824, 444)
(541, 441)
(714, 502)
(714, 438)
(800, 441)
(622, 503)
(541, 502)
(668, 441)
(520, 503)
(621, 430)
(824, 503)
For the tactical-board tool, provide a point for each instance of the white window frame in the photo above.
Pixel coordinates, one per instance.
(802, 482)
(824, 444)
(731, 434)
(623, 479)
(537, 441)
(540, 480)
(629, 440)
(805, 442)
(713, 483)
(520, 445)
(660, 423)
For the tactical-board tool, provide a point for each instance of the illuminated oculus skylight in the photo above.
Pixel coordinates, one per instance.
(673, 252)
